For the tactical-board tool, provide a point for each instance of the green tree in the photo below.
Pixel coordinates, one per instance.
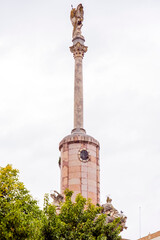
(80, 220)
(20, 216)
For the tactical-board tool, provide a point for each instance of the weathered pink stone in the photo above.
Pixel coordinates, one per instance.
(74, 181)
(74, 146)
(84, 175)
(65, 180)
(84, 168)
(84, 194)
(81, 177)
(92, 176)
(75, 187)
(73, 175)
(92, 183)
(73, 151)
(84, 187)
(74, 169)
(75, 163)
(92, 189)
(85, 181)
(92, 165)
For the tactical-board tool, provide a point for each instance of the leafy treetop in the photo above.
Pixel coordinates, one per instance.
(78, 220)
(20, 216)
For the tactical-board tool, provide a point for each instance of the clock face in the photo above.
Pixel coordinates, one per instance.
(84, 155)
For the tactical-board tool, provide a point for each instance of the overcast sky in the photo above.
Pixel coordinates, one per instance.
(121, 97)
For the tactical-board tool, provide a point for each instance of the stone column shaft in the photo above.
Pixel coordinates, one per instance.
(78, 94)
(78, 49)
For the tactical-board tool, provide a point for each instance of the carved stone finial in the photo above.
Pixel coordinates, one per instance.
(76, 17)
(112, 213)
(78, 50)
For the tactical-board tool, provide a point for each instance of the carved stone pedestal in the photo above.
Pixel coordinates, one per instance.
(80, 170)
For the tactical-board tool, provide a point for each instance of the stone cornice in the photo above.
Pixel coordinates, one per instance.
(75, 138)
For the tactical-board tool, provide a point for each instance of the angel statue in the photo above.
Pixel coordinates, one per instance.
(76, 17)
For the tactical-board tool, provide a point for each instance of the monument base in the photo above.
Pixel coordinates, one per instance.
(80, 170)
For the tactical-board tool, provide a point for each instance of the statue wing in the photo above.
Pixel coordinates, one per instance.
(81, 12)
(73, 16)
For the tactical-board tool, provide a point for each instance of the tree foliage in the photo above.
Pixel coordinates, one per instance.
(80, 220)
(20, 216)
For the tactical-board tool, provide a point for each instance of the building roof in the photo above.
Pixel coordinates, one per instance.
(151, 236)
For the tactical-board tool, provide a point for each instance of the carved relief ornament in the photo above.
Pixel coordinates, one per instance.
(78, 50)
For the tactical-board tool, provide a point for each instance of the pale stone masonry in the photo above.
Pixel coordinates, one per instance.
(78, 51)
(80, 170)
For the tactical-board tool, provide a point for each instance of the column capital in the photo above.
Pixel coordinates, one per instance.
(78, 50)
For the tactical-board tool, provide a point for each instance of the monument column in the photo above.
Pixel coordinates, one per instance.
(79, 163)
(78, 93)
(78, 50)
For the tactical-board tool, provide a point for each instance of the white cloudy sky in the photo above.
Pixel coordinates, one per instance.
(121, 97)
